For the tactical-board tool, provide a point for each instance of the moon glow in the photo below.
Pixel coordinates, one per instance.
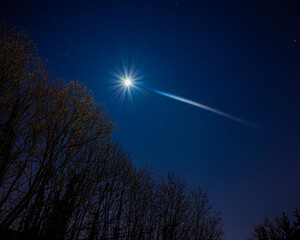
(127, 82)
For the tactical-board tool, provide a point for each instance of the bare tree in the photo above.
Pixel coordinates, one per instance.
(46, 126)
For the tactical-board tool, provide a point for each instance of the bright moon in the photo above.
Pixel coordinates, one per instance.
(127, 82)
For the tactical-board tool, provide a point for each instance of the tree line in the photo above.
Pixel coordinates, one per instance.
(280, 228)
(64, 176)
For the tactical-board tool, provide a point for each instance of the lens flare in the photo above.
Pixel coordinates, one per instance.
(128, 80)
(184, 100)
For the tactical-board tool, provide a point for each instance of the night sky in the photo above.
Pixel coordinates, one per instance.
(240, 57)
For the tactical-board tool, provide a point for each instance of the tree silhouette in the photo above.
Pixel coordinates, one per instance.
(279, 228)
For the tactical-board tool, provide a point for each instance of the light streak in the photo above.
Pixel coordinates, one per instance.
(196, 104)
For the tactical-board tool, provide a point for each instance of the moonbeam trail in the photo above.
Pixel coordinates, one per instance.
(181, 99)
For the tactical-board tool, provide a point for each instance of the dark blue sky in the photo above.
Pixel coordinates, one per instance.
(241, 57)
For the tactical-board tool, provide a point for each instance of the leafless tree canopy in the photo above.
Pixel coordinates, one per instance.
(62, 176)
